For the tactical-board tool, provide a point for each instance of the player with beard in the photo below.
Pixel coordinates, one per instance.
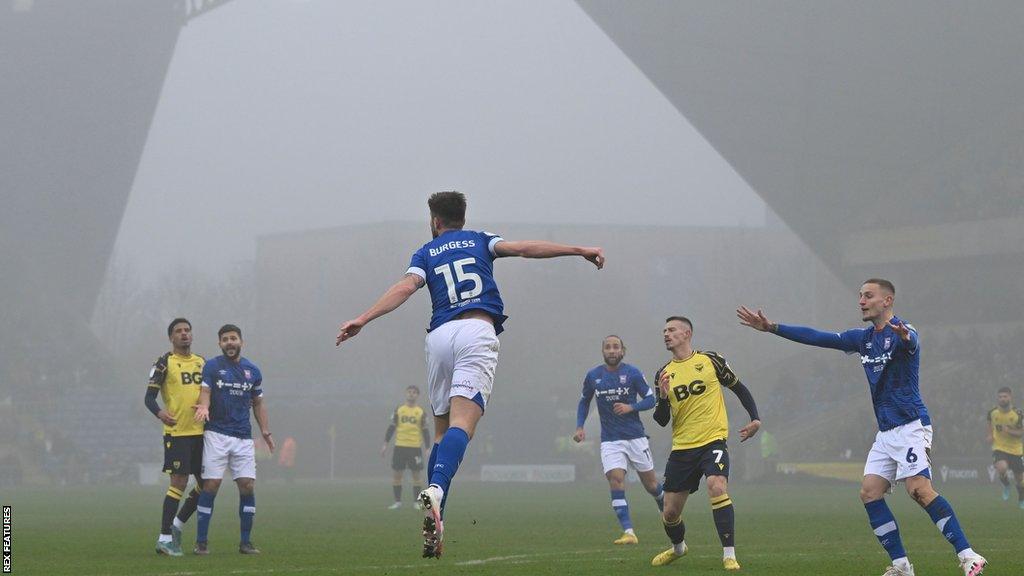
(622, 393)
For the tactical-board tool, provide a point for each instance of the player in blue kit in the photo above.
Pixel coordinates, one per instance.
(462, 343)
(232, 385)
(622, 393)
(890, 352)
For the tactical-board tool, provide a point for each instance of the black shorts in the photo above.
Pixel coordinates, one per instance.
(404, 457)
(686, 467)
(183, 454)
(1016, 463)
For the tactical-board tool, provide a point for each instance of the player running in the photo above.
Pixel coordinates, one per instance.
(409, 428)
(889, 350)
(175, 377)
(1005, 430)
(690, 395)
(461, 344)
(232, 385)
(623, 441)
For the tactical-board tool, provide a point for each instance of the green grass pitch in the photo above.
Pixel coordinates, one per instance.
(497, 529)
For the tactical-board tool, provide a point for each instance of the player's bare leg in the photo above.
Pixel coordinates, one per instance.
(650, 481)
(941, 512)
(672, 518)
(617, 484)
(725, 519)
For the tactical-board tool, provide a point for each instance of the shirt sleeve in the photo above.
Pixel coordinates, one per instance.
(647, 398)
(492, 240)
(912, 346)
(158, 373)
(726, 377)
(257, 385)
(418, 264)
(846, 341)
(209, 375)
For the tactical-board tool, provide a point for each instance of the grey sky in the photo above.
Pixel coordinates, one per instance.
(289, 115)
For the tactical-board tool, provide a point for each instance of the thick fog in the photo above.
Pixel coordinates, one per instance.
(279, 182)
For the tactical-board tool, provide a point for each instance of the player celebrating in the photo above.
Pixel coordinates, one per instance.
(462, 344)
(411, 435)
(1005, 429)
(623, 441)
(690, 394)
(175, 376)
(231, 386)
(890, 353)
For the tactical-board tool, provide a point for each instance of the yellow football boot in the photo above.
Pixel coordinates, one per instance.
(626, 538)
(668, 556)
(730, 564)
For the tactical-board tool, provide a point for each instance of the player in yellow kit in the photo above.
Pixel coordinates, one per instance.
(690, 395)
(409, 427)
(1005, 432)
(175, 377)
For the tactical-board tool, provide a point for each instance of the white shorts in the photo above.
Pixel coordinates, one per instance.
(901, 452)
(461, 358)
(621, 453)
(221, 452)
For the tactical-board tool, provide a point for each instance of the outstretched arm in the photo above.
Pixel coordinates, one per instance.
(544, 249)
(801, 334)
(394, 297)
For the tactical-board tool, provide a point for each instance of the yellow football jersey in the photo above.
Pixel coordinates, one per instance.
(409, 424)
(178, 378)
(1012, 418)
(696, 401)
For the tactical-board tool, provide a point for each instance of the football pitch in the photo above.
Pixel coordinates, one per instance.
(496, 529)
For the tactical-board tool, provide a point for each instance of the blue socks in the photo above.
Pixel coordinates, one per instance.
(448, 456)
(942, 515)
(621, 508)
(884, 524)
(246, 511)
(204, 510)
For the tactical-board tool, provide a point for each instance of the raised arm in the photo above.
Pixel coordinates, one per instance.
(394, 297)
(801, 334)
(544, 249)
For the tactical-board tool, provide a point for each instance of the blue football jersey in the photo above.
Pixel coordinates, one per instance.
(458, 268)
(890, 364)
(625, 385)
(232, 387)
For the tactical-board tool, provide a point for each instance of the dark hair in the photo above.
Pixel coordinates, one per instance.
(682, 319)
(175, 322)
(883, 283)
(1006, 390)
(229, 328)
(449, 207)
(616, 336)
(413, 387)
